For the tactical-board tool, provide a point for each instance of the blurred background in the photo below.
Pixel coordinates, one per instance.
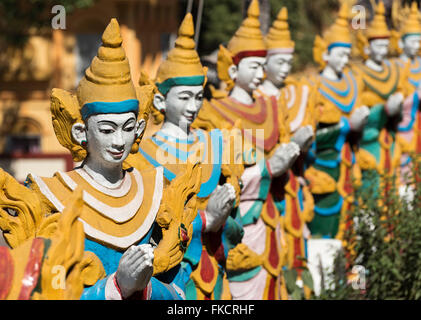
(34, 57)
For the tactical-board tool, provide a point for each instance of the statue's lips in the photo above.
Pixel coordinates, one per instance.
(256, 83)
(282, 75)
(116, 154)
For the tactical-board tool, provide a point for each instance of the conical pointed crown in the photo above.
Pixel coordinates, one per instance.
(248, 39)
(412, 24)
(378, 27)
(339, 33)
(182, 66)
(108, 80)
(279, 37)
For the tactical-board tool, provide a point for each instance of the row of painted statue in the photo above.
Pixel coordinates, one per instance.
(229, 191)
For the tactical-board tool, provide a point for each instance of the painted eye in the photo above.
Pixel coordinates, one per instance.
(129, 129)
(106, 131)
(11, 212)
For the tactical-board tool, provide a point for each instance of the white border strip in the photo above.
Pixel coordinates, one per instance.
(118, 214)
(125, 242)
(47, 192)
(294, 124)
(120, 191)
(121, 242)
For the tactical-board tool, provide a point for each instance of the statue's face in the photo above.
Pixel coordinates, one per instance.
(411, 45)
(378, 49)
(249, 73)
(110, 137)
(181, 104)
(337, 58)
(277, 67)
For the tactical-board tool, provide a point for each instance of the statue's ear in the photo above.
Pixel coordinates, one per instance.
(233, 71)
(79, 132)
(159, 102)
(325, 56)
(367, 50)
(400, 43)
(141, 125)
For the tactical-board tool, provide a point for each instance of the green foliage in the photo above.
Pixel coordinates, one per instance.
(220, 20)
(290, 275)
(387, 244)
(19, 16)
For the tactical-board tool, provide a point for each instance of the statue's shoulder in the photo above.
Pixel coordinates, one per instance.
(209, 118)
(46, 189)
(357, 67)
(140, 160)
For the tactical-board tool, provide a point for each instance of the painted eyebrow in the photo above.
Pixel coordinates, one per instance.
(107, 122)
(191, 94)
(186, 92)
(129, 120)
(113, 123)
(285, 59)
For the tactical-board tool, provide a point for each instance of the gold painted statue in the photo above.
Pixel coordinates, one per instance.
(295, 97)
(407, 43)
(178, 99)
(128, 223)
(341, 116)
(255, 265)
(331, 167)
(384, 91)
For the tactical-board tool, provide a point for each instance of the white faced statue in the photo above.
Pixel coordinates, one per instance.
(277, 67)
(378, 49)
(109, 137)
(248, 75)
(410, 45)
(181, 104)
(337, 58)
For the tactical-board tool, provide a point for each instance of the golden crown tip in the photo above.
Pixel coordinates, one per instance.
(283, 14)
(253, 9)
(111, 35)
(187, 26)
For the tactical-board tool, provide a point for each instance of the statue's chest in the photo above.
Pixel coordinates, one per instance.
(338, 98)
(414, 77)
(116, 217)
(342, 94)
(296, 98)
(261, 122)
(382, 83)
(174, 155)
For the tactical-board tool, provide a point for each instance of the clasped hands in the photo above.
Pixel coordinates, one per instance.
(220, 204)
(394, 104)
(135, 269)
(283, 158)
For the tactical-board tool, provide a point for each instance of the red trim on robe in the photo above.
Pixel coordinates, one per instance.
(206, 271)
(6, 272)
(32, 269)
(272, 288)
(273, 250)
